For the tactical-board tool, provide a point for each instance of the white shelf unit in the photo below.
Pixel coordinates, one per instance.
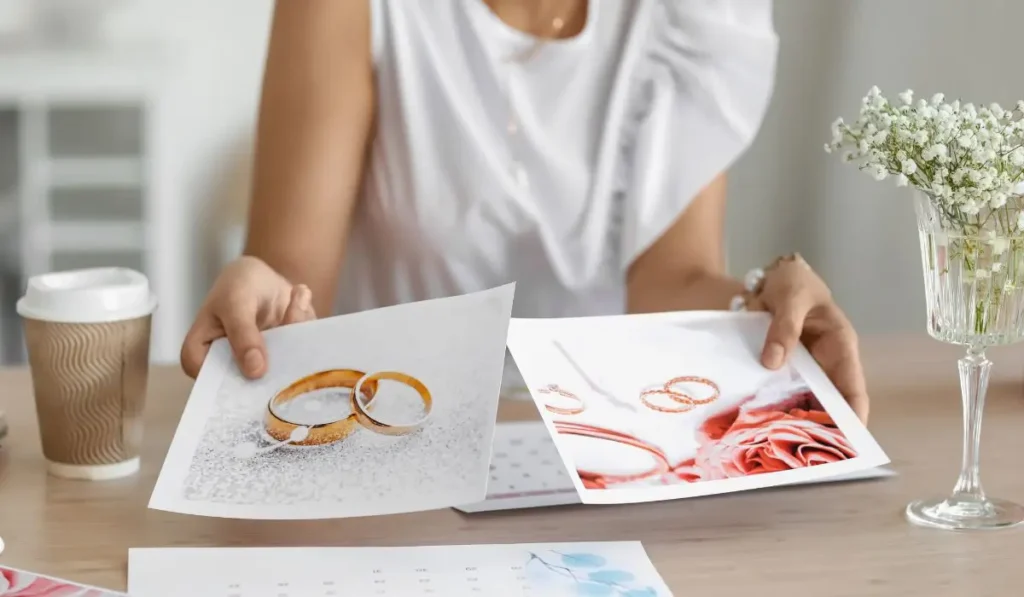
(137, 226)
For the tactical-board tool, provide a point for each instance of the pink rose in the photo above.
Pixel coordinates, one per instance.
(795, 433)
(23, 584)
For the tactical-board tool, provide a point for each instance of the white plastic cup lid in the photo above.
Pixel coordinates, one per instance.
(94, 295)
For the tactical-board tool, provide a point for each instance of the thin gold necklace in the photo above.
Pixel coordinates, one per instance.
(557, 25)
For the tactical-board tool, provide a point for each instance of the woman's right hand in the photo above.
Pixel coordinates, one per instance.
(248, 297)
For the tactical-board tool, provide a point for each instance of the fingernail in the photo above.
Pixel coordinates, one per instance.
(252, 362)
(774, 355)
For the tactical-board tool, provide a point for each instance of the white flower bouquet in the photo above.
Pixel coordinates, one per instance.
(968, 164)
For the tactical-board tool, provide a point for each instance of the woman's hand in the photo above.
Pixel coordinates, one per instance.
(803, 310)
(248, 297)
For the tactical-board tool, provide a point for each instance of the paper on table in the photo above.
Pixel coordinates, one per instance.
(228, 459)
(627, 439)
(544, 570)
(21, 583)
(526, 472)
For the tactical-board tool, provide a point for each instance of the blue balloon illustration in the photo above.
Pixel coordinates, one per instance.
(591, 589)
(583, 560)
(615, 577)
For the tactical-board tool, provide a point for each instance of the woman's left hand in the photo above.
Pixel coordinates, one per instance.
(803, 311)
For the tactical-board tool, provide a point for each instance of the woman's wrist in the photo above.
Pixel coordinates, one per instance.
(703, 292)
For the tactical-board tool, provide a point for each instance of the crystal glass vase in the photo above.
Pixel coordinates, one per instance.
(974, 288)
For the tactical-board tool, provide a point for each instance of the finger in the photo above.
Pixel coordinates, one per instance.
(849, 380)
(860, 403)
(784, 332)
(755, 303)
(847, 373)
(197, 344)
(239, 321)
(300, 308)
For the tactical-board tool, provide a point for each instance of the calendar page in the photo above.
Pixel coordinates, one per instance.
(526, 471)
(675, 405)
(616, 569)
(379, 412)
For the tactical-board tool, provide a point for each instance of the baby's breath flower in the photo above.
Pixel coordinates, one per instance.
(968, 159)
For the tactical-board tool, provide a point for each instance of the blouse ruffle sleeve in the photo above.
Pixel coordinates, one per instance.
(700, 96)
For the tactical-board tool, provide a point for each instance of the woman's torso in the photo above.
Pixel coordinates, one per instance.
(485, 169)
(615, 131)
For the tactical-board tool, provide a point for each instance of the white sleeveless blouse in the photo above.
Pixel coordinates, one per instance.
(554, 171)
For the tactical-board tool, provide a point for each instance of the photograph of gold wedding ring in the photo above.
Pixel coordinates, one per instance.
(280, 428)
(367, 420)
(670, 390)
(685, 397)
(555, 390)
(647, 394)
(362, 392)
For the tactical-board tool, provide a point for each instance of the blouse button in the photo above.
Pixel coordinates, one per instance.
(513, 127)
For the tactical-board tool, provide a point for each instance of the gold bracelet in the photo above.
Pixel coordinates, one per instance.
(279, 428)
(377, 426)
(596, 480)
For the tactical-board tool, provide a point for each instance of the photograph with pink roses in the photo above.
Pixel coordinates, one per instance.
(646, 408)
(20, 583)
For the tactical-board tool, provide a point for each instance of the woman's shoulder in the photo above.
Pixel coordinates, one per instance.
(713, 28)
(700, 88)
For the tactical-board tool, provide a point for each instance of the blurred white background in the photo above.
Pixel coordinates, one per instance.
(132, 146)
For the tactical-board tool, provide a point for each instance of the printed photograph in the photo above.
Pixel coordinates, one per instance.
(637, 406)
(19, 583)
(373, 413)
(780, 427)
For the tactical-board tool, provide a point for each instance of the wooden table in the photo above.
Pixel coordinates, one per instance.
(837, 540)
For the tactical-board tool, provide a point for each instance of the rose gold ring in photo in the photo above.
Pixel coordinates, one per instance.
(646, 395)
(685, 398)
(368, 421)
(280, 428)
(660, 467)
(554, 389)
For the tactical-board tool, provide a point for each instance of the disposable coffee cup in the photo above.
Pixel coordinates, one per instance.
(87, 333)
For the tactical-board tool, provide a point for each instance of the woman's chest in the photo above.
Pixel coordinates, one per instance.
(471, 141)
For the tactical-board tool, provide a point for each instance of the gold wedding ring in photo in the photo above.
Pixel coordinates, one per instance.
(680, 391)
(279, 424)
(555, 390)
(686, 395)
(375, 424)
(649, 396)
